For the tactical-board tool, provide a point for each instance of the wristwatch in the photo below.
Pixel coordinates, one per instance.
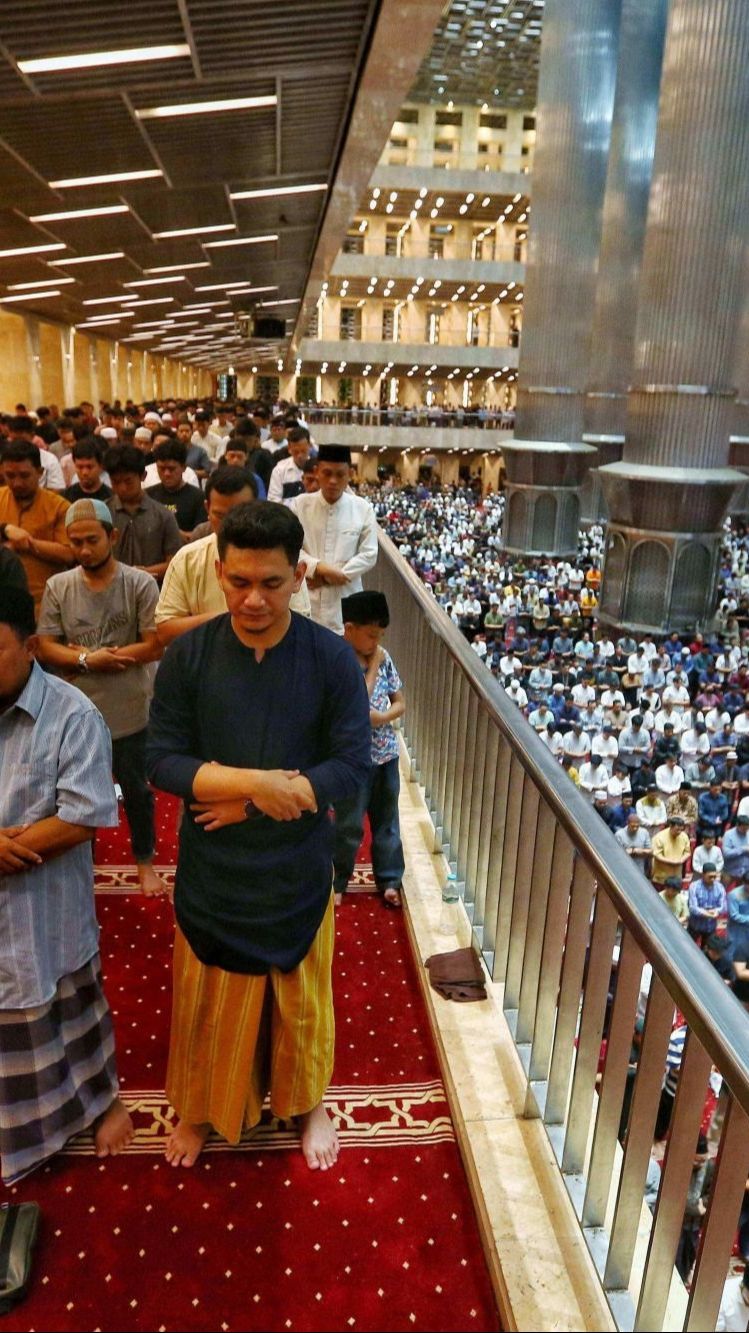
(83, 661)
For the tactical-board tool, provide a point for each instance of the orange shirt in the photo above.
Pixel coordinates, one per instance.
(44, 518)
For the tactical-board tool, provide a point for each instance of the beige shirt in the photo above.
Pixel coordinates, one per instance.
(191, 588)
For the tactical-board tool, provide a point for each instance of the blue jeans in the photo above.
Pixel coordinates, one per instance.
(378, 798)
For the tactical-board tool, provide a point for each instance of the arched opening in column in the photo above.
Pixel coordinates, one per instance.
(544, 523)
(645, 600)
(615, 563)
(691, 585)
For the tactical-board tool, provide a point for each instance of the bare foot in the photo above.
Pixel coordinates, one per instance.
(320, 1143)
(185, 1143)
(391, 897)
(113, 1131)
(338, 899)
(151, 884)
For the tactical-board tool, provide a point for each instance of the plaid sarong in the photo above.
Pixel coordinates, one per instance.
(57, 1071)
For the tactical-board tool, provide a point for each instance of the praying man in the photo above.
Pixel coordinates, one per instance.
(57, 1065)
(259, 721)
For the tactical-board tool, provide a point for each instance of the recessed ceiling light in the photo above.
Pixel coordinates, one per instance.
(71, 182)
(276, 190)
(26, 286)
(192, 231)
(30, 296)
(90, 59)
(80, 213)
(205, 108)
(179, 268)
(105, 300)
(32, 250)
(85, 259)
(241, 240)
(153, 282)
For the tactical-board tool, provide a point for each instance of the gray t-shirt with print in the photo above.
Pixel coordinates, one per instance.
(110, 618)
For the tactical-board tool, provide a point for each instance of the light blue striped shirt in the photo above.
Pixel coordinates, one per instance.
(55, 759)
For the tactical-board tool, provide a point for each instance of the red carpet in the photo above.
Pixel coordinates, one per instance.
(250, 1239)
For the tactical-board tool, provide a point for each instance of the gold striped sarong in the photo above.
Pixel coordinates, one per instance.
(235, 1037)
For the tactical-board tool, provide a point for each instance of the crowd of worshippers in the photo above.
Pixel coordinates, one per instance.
(161, 482)
(655, 734)
(254, 599)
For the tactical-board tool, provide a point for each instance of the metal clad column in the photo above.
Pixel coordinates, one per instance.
(547, 460)
(641, 39)
(668, 496)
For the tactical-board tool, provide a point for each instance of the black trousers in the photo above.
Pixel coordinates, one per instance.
(129, 768)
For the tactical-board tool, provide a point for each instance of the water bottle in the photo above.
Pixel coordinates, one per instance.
(450, 899)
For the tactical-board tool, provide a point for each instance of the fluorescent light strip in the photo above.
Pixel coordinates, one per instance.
(72, 182)
(158, 300)
(82, 259)
(32, 250)
(76, 213)
(222, 286)
(241, 240)
(199, 305)
(205, 108)
(278, 189)
(30, 296)
(26, 286)
(192, 231)
(152, 282)
(89, 59)
(180, 268)
(292, 300)
(106, 300)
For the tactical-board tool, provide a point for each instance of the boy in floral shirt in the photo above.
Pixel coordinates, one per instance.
(365, 619)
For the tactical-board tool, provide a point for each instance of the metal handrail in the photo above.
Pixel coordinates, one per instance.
(549, 894)
(709, 1008)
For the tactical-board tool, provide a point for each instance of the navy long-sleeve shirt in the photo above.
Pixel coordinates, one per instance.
(252, 896)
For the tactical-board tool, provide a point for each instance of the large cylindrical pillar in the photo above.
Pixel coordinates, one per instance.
(625, 208)
(668, 496)
(577, 81)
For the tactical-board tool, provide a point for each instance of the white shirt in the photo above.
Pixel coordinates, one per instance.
(617, 786)
(553, 741)
(668, 779)
(715, 720)
(518, 694)
(152, 477)
(694, 743)
(53, 479)
(733, 1316)
(284, 473)
(676, 694)
(741, 724)
(593, 777)
(699, 856)
(582, 694)
(605, 748)
(343, 534)
(214, 445)
(671, 716)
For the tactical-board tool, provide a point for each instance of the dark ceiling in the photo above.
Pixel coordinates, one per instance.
(58, 126)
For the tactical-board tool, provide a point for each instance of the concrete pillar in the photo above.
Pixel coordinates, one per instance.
(641, 37)
(669, 495)
(547, 460)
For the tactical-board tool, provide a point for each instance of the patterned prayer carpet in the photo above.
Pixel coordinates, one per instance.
(250, 1239)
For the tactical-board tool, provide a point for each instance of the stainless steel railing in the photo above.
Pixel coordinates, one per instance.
(553, 902)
